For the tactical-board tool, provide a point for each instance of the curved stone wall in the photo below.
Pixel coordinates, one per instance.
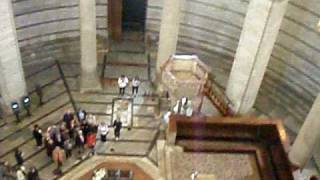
(39, 21)
(292, 80)
(211, 29)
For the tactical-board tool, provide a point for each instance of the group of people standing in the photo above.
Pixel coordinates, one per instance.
(123, 82)
(103, 129)
(60, 140)
(72, 133)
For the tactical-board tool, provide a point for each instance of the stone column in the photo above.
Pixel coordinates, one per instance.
(12, 81)
(259, 33)
(308, 137)
(89, 80)
(169, 30)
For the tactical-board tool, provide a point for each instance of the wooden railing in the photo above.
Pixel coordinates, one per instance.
(217, 97)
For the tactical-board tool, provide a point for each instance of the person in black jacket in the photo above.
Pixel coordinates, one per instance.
(37, 134)
(19, 157)
(79, 141)
(33, 174)
(68, 118)
(38, 91)
(117, 128)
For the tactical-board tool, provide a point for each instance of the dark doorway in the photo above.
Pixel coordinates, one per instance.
(126, 20)
(133, 15)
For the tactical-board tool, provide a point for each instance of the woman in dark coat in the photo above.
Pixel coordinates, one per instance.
(49, 147)
(33, 174)
(18, 155)
(37, 134)
(79, 141)
(117, 127)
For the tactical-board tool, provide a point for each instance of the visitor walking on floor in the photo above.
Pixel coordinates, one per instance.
(117, 128)
(122, 82)
(103, 130)
(135, 85)
(58, 157)
(37, 134)
(19, 157)
(33, 174)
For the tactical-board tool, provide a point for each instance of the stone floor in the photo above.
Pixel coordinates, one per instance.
(59, 82)
(219, 165)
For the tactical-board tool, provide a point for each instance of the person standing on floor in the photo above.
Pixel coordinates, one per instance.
(33, 174)
(69, 120)
(117, 128)
(68, 148)
(82, 115)
(79, 141)
(49, 145)
(58, 157)
(135, 85)
(103, 130)
(19, 157)
(122, 82)
(21, 173)
(37, 134)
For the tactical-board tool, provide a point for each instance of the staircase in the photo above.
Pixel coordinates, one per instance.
(217, 97)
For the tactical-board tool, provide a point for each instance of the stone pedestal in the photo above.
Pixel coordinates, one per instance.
(169, 30)
(12, 81)
(308, 137)
(89, 79)
(259, 33)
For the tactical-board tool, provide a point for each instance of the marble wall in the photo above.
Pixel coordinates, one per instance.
(39, 20)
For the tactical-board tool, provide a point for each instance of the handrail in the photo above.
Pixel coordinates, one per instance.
(217, 97)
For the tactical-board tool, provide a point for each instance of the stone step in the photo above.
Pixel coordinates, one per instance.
(29, 149)
(133, 135)
(128, 46)
(43, 78)
(145, 122)
(47, 171)
(50, 92)
(108, 97)
(127, 58)
(29, 70)
(124, 148)
(40, 161)
(112, 71)
(24, 135)
(39, 113)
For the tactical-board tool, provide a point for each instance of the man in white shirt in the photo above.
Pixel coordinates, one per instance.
(122, 82)
(135, 85)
